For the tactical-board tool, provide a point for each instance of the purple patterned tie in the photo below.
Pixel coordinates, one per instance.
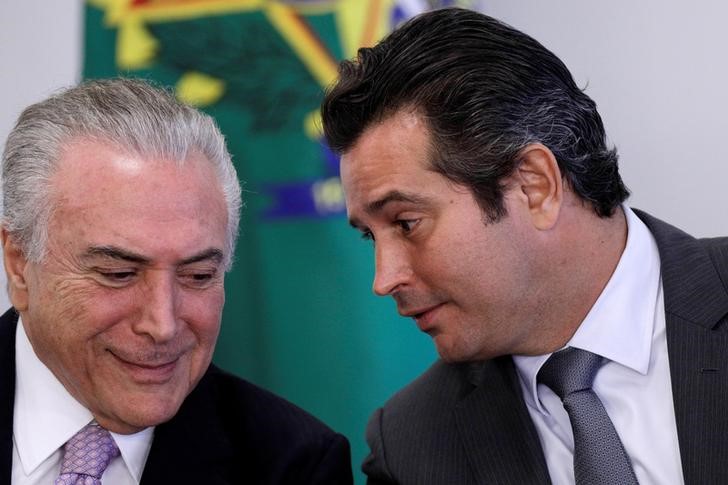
(86, 455)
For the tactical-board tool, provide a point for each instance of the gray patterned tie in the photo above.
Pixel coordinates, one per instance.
(86, 455)
(599, 457)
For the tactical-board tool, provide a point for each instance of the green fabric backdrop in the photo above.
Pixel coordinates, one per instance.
(300, 318)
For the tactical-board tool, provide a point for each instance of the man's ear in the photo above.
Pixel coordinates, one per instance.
(15, 265)
(539, 179)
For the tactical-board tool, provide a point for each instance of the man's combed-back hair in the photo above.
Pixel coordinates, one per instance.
(131, 116)
(486, 91)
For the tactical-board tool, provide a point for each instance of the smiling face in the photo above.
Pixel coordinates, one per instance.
(468, 284)
(125, 307)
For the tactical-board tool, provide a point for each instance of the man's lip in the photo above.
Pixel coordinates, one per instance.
(424, 317)
(148, 372)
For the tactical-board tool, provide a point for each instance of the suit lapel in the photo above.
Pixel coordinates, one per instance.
(696, 305)
(497, 432)
(8, 323)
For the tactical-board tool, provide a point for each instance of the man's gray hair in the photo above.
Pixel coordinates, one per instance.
(130, 115)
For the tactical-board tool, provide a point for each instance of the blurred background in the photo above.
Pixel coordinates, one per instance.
(300, 317)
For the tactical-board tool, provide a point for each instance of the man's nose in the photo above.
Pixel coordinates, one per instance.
(160, 300)
(392, 268)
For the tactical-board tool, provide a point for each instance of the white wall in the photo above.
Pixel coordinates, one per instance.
(657, 70)
(40, 51)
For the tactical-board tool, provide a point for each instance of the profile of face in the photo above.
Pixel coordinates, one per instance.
(465, 282)
(125, 307)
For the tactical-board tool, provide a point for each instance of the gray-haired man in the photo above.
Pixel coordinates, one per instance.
(120, 215)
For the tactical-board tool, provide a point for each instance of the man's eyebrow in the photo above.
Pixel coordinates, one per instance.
(114, 252)
(392, 196)
(213, 254)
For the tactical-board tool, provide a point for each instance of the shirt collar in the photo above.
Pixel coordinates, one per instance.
(39, 429)
(620, 324)
(134, 450)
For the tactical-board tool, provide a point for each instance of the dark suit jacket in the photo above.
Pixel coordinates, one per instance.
(468, 423)
(227, 431)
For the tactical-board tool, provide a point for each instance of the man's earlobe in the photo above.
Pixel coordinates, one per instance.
(539, 178)
(15, 264)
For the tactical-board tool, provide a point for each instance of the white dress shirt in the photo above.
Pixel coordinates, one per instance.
(627, 326)
(46, 416)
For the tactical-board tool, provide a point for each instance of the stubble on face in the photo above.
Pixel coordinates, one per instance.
(465, 281)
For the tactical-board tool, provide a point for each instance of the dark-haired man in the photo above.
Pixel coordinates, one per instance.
(581, 341)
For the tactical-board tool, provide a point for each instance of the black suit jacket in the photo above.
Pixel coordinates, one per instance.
(227, 431)
(468, 423)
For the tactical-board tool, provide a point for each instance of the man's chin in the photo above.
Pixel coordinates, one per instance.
(136, 414)
(454, 351)
(448, 350)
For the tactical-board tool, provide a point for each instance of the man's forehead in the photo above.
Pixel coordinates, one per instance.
(390, 128)
(88, 156)
(108, 190)
(381, 154)
(90, 151)
(94, 163)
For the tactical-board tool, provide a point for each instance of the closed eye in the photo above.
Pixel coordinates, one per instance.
(117, 277)
(198, 279)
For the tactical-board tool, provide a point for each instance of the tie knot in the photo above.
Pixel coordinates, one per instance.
(570, 370)
(86, 455)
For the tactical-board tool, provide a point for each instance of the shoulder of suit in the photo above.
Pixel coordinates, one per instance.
(235, 425)
(244, 405)
(672, 240)
(440, 387)
(717, 248)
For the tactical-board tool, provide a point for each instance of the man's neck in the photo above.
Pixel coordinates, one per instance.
(583, 257)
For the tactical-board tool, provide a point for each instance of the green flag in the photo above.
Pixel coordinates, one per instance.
(300, 318)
